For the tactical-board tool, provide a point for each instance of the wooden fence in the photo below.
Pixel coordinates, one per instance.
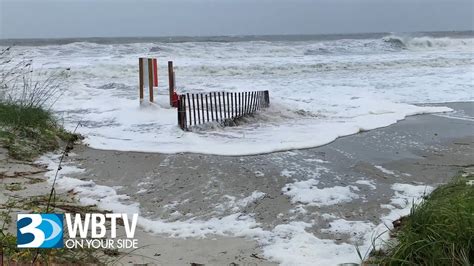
(222, 107)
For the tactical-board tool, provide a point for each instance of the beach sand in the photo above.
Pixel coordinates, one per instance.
(420, 150)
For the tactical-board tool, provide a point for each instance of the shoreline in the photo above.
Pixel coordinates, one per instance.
(299, 146)
(341, 164)
(423, 150)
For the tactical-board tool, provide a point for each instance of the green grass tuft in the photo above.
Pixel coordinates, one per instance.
(439, 231)
(30, 131)
(17, 116)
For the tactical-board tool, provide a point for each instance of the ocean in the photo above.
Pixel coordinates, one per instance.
(321, 86)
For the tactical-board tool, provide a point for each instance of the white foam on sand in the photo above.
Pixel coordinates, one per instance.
(89, 193)
(235, 205)
(288, 244)
(405, 196)
(385, 171)
(154, 129)
(291, 244)
(358, 231)
(307, 192)
(368, 183)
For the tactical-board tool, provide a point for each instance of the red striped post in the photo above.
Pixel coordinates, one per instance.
(174, 82)
(155, 72)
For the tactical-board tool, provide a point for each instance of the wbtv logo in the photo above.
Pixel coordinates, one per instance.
(40, 230)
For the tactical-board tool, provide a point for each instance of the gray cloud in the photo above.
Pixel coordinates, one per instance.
(87, 18)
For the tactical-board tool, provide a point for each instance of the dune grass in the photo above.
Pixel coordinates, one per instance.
(30, 131)
(27, 126)
(439, 230)
(18, 116)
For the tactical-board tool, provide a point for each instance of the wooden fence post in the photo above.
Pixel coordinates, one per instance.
(220, 104)
(258, 101)
(241, 103)
(267, 98)
(140, 70)
(247, 101)
(255, 98)
(229, 106)
(215, 104)
(249, 109)
(194, 109)
(207, 109)
(180, 123)
(171, 81)
(150, 78)
(251, 102)
(232, 113)
(197, 107)
(224, 107)
(210, 103)
(244, 101)
(223, 100)
(182, 112)
(202, 108)
(189, 107)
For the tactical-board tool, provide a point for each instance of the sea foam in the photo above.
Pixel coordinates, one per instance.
(319, 90)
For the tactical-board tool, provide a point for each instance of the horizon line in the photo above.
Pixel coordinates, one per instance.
(232, 35)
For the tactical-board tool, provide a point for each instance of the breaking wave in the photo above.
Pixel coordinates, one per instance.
(315, 67)
(425, 42)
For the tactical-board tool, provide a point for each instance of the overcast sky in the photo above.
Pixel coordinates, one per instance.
(107, 18)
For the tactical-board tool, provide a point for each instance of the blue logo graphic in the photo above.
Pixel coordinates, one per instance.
(39, 230)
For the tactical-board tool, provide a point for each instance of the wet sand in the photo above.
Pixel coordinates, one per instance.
(424, 149)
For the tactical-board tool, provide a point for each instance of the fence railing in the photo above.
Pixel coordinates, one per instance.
(222, 107)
